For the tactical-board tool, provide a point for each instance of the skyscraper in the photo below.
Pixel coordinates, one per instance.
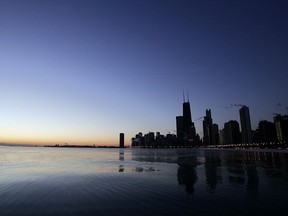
(186, 133)
(121, 140)
(187, 120)
(179, 126)
(207, 128)
(188, 125)
(210, 130)
(245, 124)
(232, 132)
(267, 131)
(215, 134)
(281, 123)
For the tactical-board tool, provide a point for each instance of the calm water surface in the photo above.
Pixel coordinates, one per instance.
(79, 181)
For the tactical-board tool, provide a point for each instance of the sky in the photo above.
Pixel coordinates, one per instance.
(83, 71)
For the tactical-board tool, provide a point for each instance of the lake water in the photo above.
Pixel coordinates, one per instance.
(80, 181)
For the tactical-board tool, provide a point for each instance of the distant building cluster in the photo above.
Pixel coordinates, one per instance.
(186, 136)
(152, 140)
(276, 131)
(266, 133)
(186, 133)
(231, 134)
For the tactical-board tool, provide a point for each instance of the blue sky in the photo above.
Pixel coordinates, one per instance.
(81, 72)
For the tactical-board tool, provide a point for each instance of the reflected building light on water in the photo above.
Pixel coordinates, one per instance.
(121, 158)
(186, 173)
(213, 171)
(216, 169)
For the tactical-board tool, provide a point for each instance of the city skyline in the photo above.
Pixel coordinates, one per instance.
(267, 134)
(81, 72)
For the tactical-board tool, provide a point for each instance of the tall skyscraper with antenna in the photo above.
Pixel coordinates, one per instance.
(187, 119)
(186, 132)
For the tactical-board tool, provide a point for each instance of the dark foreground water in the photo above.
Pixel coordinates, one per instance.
(78, 181)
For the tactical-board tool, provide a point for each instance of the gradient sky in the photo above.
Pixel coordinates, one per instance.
(81, 71)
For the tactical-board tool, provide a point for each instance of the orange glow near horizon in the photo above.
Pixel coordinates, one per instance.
(47, 135)
(72, 140)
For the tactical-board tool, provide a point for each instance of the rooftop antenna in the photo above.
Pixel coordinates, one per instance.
(183, 97)
(187, 96)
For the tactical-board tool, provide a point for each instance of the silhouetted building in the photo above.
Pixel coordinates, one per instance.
(232, 132)
(222, 137)
(187, 119)
(189, 132)
(149, 139)
(170, 139)
(281, 124)
(121, 140)
(158, 135)
(245, 124)
(138, 140)
(215, 134)
(185, 129)
(207, 128)
(267, 132)
(210, 130)
(179, 127)
(160, 140)
(256, 138)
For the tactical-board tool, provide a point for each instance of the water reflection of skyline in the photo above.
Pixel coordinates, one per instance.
(121, 158)
(187, 181)
(245, 169)
(186, 173)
